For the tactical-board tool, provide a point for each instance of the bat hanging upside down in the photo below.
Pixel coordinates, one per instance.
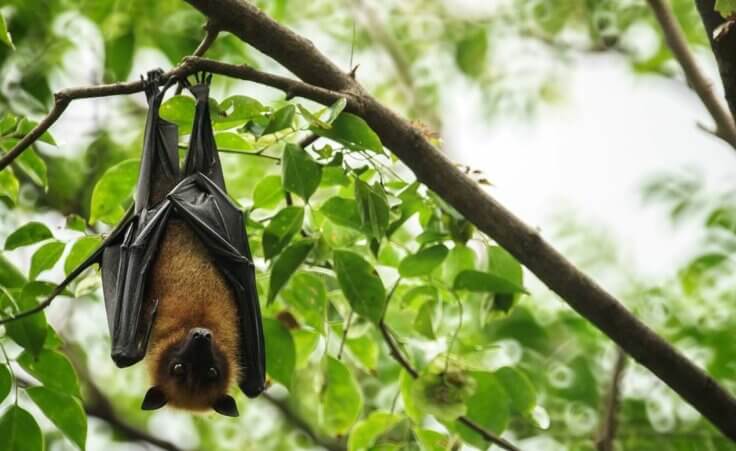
(177, 273)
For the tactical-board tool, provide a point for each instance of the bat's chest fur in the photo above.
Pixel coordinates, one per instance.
(191, 292)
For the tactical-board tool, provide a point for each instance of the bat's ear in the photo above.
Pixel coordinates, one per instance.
(154, 399)
(226, 406)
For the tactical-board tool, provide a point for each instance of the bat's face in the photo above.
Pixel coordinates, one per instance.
(192, 373)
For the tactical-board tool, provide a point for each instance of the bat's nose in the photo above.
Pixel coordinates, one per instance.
(200, 334)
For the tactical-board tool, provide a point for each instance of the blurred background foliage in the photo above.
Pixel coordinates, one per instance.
(341, 222)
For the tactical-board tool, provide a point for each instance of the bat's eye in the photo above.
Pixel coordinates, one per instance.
(177, 369)
(212, 373)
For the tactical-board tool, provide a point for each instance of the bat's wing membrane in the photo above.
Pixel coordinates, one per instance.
(128, 254)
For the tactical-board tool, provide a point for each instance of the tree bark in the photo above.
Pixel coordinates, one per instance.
(433, 168)
(724, 49)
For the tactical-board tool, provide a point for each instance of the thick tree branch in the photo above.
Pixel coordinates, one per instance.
(434, 169)
(607, 431)
(724, 49)
(725, 126)
(401, 360)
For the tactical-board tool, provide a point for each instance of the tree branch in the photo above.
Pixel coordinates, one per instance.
(401, 360)
(607, 432)
(676, 41)
(298, 422)
(724, 49)
(99, 406)
(437, 172)
(210, 34)
(188, 66)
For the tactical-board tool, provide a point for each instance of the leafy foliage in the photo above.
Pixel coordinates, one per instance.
(344, 240)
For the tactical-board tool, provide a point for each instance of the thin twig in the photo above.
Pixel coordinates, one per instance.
(607, 431)
(299, 423)
(345, 335)
(397, 355)
(401, 360)
(210, 34)
(676, 41)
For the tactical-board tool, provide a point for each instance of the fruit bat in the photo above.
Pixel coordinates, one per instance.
(177, 273)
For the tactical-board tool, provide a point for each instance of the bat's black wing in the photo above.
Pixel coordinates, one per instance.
(129, 252)
(200, 200)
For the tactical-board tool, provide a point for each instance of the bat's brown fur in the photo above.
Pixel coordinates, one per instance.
(191, 292)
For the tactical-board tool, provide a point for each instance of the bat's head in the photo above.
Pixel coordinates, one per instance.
(193, 373)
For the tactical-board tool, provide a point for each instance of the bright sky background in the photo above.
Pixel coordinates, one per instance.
(590, 154)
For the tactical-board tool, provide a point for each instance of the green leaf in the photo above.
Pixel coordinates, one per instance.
(64, 411)
(342, 212)
(19, 431)
(726, 8)
(443, 395)
(300, 173)
(366, 432)
(34, 167)
(361, 284)
(53, 370)
(307, 295)
(423, 321)
(9, 186)
(30, 332)
(341, 400)
(10, 276)
(471, 53)
(180, 111)
(76, 222)
(312, 118)
(4, 34)
(112, 191)
(280, 120)
(82, 248)
(232, 141)
(281, 229)
(521, 391)
(28, 233)
(460, 258)
(423, 262)
(336, 108)
(433, 441)
(372, 208)
(305, 342)
(483, 282)
(236, 111)
(365, 350)
(406, 387)
(268, 192)
(503, 264)
(6, 382)
(353, 132)
(489, 407)
(280, 350)
(286, 264)
(119, 53)
(45, 258)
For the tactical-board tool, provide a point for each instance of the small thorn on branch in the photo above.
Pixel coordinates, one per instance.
(353, 72)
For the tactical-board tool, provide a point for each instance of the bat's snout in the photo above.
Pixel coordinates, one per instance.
(200, 334)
